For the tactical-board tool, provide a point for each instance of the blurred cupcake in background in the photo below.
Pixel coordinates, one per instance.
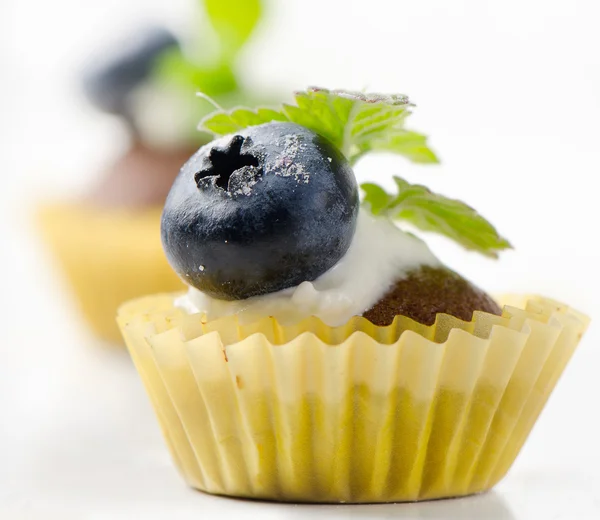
(107, 242)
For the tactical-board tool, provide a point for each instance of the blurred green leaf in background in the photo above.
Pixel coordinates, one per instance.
(208, 63)
(233, 22)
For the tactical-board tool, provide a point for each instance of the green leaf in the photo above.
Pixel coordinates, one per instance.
(410, 144)
(233, 22)
(174, 68)
(376, 198)
(429, 211)
(221, 122)
(353, 121)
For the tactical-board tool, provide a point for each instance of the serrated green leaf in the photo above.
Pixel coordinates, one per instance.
(221, 123)
(233, 21)
(353, 121)
(429, 211)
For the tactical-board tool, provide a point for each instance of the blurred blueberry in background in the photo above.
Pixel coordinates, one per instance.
(109, 81)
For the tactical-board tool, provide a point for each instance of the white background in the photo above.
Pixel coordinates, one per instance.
(509, 90)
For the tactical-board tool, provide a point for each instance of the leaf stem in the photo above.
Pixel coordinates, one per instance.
(206, 97)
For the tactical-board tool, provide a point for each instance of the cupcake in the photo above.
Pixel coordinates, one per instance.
(107, 241)
(321, 353)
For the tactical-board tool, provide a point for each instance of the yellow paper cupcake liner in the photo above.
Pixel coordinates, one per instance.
(357, 413)
(108, 256)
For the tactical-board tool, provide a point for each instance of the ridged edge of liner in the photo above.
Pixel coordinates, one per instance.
(354, 418)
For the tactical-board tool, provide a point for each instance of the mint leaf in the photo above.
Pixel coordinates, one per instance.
(233, 22)
(222, 122)
(429, 211)
(376, 198)
(410, 144)
(355, 122)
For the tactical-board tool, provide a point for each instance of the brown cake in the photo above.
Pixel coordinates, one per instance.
(428, 291)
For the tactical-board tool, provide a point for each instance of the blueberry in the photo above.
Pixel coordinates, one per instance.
(260, 211)
(109, 82)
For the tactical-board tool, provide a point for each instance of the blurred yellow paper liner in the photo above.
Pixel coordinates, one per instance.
(357, 413)
(108, 257)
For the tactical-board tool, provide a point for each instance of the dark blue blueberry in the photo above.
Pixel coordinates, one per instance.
(109, 81)
(260, 211)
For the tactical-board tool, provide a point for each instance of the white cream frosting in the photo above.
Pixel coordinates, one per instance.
(379, 255)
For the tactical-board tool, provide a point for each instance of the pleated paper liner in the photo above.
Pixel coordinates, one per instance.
(108, 257)
(357, 413)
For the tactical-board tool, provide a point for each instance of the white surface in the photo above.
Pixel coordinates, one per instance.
(510, 93)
